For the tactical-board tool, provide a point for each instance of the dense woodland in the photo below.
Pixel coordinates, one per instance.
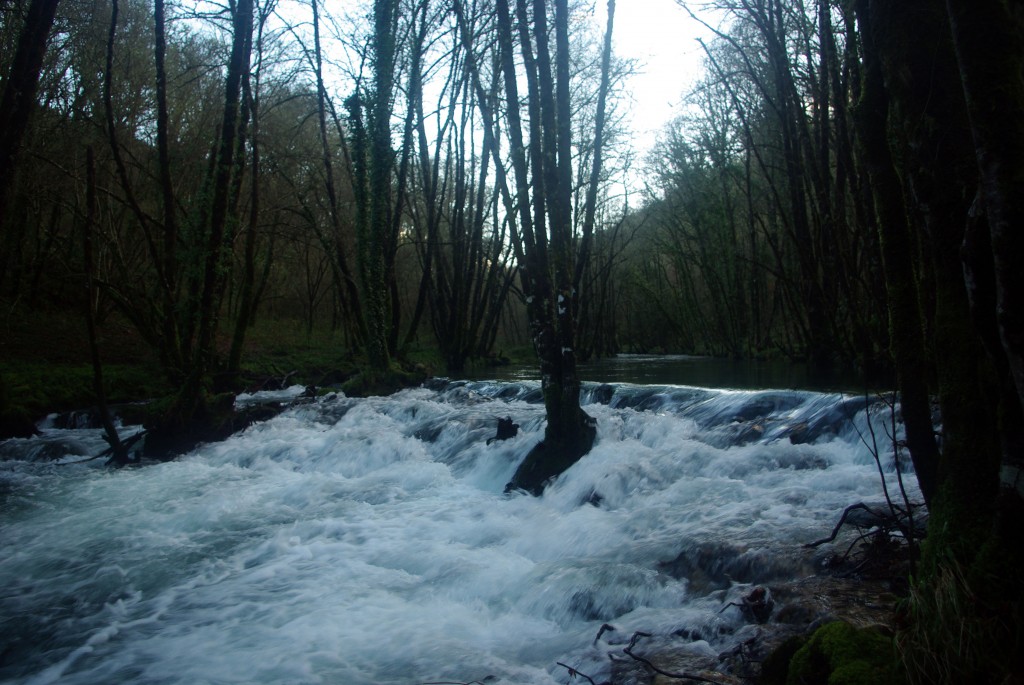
(844, 185)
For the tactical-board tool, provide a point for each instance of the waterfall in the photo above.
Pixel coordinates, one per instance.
(369, 541)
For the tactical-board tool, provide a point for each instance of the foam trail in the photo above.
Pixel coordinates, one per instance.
(369, 541)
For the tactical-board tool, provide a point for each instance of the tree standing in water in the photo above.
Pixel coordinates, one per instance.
(538, 202)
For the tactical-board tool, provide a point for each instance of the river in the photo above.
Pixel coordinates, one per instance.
(369, 541)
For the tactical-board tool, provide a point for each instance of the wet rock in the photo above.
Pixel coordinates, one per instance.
(77, 420)
(14, 425)
(758, 604)
(43, 449)
(715, 566)
(603, 394)
(760, 652)
(167, 439)
(506, 430)
(429, 434)
(673, 656)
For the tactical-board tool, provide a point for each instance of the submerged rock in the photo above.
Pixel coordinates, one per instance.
(762, 652)
(506, 430)
(715, 566)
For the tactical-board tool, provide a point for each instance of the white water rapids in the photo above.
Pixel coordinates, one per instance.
(369, 541)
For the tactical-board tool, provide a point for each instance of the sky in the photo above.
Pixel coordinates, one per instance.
(663, 37)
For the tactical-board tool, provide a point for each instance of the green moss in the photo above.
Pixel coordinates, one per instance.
(369, 383)
(775, 667)
(840, 654)
(33, 389)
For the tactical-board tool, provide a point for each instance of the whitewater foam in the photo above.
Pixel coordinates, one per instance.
(368, 541)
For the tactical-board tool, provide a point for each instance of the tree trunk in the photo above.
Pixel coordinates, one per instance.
(247, 296)
(19, 96)
(169, 268)
(973, 533)
(216, 253)
(570, 432)
(16, 105)
(541, 209)
(989, 45)
(118, 451)
(375, 220)
(905, 325)
(913, 39)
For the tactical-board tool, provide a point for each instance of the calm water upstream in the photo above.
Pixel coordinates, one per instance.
(706, 372)
(368, 541)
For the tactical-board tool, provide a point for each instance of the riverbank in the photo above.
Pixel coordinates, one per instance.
(45, 365)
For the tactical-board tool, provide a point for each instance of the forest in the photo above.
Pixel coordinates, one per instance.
(843, 186)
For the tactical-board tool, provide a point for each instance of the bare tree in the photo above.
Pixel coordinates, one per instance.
(540, 205)
(463, 247)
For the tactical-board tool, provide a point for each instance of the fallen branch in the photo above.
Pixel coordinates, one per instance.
(842, 522)
(757, 605)
(607, 627)
(573, 673)
(125, 445)
(678, 676)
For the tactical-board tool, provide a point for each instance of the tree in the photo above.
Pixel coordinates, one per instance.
(17, 103)
(373, 167)
(460, 237)
(541, 207)
(976, 511)
(898, 248)
(182, 319)
(758, 208)
(334, 239)
(990, 55)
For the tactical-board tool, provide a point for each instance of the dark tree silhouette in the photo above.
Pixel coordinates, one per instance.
(541, 207)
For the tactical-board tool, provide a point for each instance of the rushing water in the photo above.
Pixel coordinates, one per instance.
(369, 541)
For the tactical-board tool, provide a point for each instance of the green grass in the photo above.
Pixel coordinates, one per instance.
(46, 368)
(40, 388)
(45, 365)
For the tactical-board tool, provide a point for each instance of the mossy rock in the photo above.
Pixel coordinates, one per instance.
(840, 654)
(369, 383)
(775, 668)
(175, 427)
(16, 423)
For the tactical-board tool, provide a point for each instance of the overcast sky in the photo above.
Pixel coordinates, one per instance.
(662, 36)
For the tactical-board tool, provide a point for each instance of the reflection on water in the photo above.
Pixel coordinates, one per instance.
(704, 372)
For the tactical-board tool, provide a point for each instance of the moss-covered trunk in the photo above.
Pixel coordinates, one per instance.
(940, 177)
(972, 553)
(989, 40)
